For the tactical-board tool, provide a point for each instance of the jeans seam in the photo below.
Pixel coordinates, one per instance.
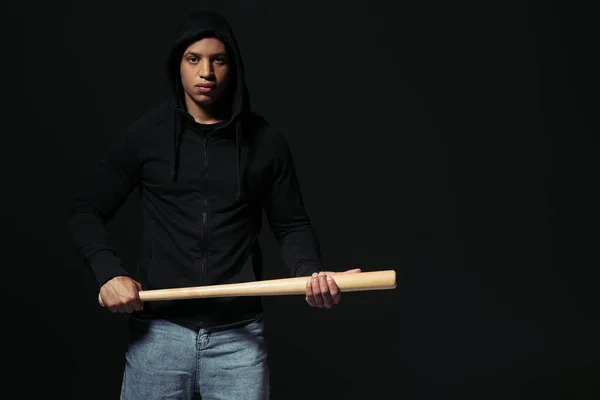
(197, 369)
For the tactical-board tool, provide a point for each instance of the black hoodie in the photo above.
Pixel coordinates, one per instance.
(202, 194)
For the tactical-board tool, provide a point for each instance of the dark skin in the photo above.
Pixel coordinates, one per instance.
(204, 72)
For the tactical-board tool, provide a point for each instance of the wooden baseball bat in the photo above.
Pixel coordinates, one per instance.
(353, 282)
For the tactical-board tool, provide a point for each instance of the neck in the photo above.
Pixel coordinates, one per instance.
(203, 114)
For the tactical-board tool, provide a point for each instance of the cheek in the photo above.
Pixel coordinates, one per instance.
(186, 77)
(223, 75)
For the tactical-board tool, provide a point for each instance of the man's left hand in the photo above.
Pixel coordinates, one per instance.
(321, 289)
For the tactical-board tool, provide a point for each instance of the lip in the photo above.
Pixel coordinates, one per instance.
(205, 87)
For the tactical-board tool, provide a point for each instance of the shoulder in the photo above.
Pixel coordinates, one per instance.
(150, 118)
(144, 123)
(264, 135)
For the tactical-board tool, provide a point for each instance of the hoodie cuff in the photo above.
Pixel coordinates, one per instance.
(307, 268)
(106, 265)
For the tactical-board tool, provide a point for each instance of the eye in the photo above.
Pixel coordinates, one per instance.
(220, 60)
(192, 59)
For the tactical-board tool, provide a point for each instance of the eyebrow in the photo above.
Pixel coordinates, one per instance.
(191, 53)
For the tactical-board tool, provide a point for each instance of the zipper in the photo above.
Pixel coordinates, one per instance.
(204, 228)
(204, 241)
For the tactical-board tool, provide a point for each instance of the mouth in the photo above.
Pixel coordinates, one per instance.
(205, 87)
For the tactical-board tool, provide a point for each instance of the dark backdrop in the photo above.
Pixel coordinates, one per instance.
(454, 142)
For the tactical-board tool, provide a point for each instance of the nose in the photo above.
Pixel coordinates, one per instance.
(205, 69)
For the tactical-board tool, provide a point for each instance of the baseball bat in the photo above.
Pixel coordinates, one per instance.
(353, 282)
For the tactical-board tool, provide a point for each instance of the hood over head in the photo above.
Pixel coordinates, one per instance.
(195, 26)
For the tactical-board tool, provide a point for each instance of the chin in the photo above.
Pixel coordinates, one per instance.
(203, 100)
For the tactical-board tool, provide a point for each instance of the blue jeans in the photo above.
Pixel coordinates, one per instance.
(168, 361)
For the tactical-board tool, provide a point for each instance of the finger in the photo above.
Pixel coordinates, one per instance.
(136, 302)
(122, 306)
(137, 305)
(132, 303)
(316, 289)
(310, 299)
(334, 290)
(117, 308)
(325, 294)
(352, 271)
(110, 305)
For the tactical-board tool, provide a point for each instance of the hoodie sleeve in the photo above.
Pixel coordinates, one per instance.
(288, 219)
(105, 192)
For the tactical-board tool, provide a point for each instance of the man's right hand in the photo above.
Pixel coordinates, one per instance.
(120, 294)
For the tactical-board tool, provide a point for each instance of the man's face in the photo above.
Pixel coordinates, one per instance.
(204, 71)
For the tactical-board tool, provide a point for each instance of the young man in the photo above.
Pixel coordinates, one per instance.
(206, 166)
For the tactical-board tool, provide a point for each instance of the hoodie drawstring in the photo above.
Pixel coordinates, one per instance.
(177, 134)
(238, 134)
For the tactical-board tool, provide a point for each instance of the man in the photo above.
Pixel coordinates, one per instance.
(206, 166)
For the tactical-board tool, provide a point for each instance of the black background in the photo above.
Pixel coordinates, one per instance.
(454, 142)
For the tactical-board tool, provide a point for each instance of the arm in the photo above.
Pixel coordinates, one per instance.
(110, 185)
(291, 226)
(287, 216)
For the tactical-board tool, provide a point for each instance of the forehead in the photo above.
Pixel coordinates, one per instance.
(209, 45)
